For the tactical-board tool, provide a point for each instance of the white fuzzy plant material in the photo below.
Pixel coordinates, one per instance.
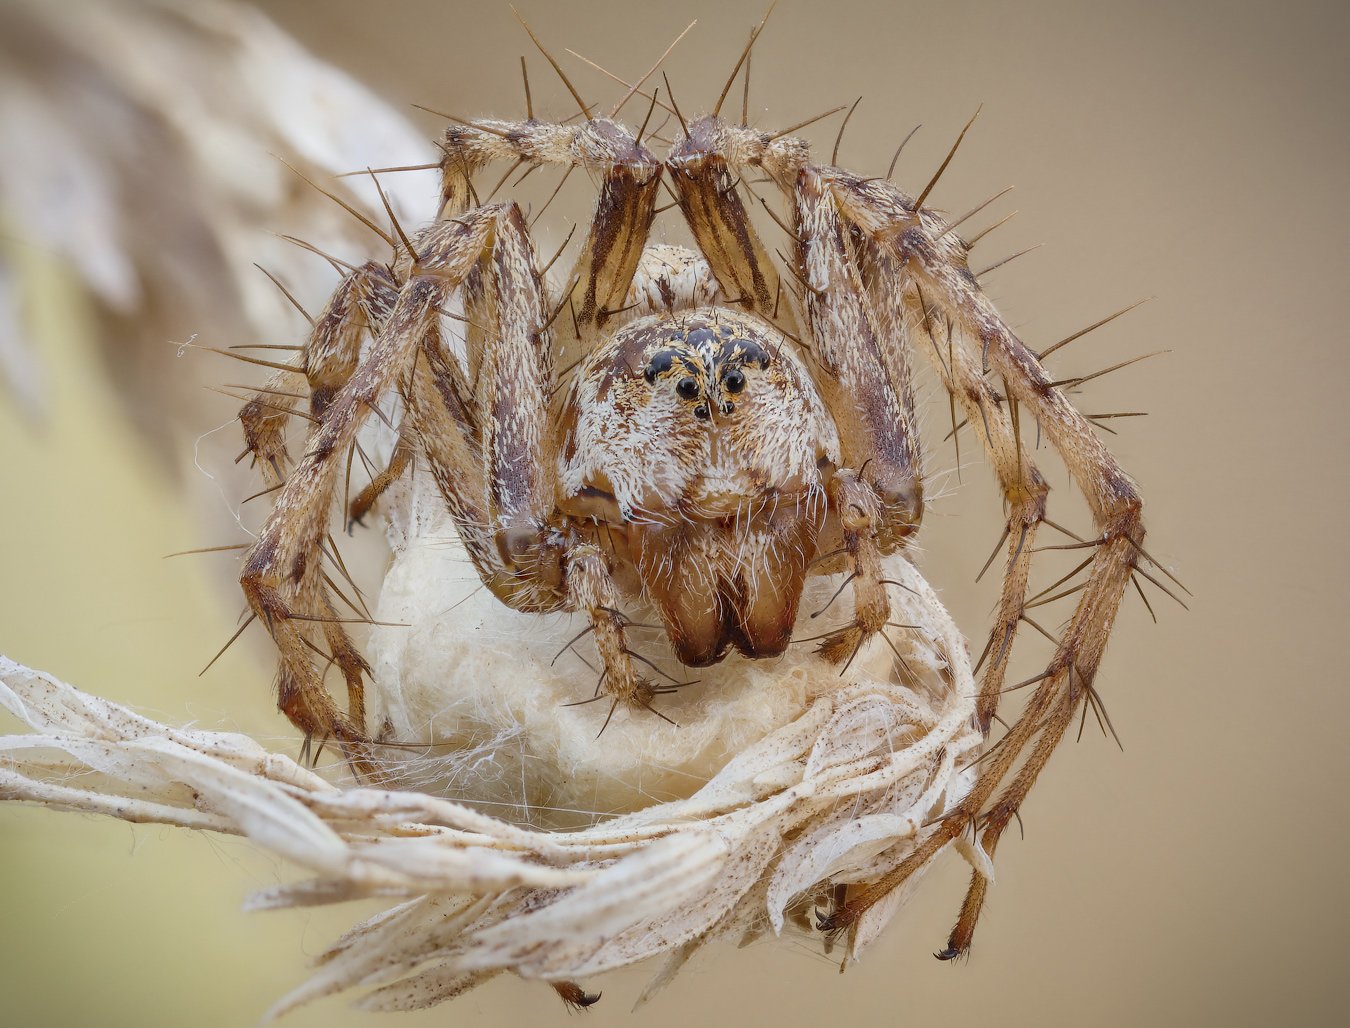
(783, 779)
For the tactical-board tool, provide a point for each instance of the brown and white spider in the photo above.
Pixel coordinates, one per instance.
(695, 430)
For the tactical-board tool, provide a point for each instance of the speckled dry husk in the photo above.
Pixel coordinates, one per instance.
(840, 794)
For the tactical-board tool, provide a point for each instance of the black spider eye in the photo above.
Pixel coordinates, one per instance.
(687, 388)
(734, 380)
(659, 366)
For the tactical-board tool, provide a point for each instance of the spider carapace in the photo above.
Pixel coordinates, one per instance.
(700, 443)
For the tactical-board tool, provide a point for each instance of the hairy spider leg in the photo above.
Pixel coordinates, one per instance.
(711, 203)
(883, 213)
(363, 299)
(625, 206)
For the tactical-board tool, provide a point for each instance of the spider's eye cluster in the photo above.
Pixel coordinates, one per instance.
(726, 356)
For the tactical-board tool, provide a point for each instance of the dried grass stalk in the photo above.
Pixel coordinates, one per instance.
(839, 795)
(143, 139)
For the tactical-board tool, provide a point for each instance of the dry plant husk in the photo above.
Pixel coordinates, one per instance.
(145, 148)
(840, 793)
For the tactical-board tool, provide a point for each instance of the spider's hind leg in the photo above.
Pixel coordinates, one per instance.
(282, 575)
(978, 340)
(327, 360)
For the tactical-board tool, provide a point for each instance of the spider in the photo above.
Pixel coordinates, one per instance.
(701, 429)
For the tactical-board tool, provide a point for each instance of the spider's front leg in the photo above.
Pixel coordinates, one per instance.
(629, 177)
(537, 562)
(706, 174)
(863, 376)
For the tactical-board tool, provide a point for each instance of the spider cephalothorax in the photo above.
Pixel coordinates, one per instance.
(699, 443)
(701, 431)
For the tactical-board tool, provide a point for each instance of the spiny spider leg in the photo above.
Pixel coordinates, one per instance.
(629, 180)
(599, 287)
(399, 462)
(330, 355)
(859, 513)
(876, 427)
(878, 496)
(869, 396)
(282, 571)
(326, 361)
(527, 558)
(1025, 490)
(706, 189)
(881, 212)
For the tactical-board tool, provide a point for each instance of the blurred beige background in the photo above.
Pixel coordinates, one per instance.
(1195, 154)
